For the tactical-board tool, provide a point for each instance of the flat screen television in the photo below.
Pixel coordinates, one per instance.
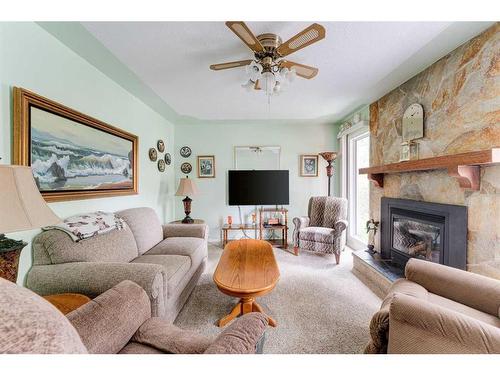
(263, 187)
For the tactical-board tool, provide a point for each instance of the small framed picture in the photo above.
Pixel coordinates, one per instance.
(404, 154)
(309, 165)
(206, 166)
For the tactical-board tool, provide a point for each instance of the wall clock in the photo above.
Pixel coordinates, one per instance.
(161, 165)
(186, 168)
(160, 145)
(153, 155)
(185, 152)
(413, 122)
(168, 159)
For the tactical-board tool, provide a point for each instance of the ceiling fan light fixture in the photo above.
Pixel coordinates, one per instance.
(248, 86)
(269, 82)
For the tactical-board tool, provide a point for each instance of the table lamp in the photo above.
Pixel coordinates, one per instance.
(329, 156)
(22, 207)
(186, 188)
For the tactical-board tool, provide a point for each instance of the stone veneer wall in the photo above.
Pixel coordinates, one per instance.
(461, 98)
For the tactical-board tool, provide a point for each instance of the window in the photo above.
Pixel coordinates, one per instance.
(356, 148)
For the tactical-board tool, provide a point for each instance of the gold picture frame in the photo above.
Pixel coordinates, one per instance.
(119, 173)
(309, 165)
(206, 166)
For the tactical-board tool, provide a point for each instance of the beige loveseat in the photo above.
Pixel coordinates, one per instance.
(438, 309)
(165, 260)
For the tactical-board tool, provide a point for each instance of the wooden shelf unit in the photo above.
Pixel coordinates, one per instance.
(464, 167)
(283, 241)
(240, 227)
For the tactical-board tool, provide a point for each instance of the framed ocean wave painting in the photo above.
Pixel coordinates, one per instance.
(72, 155)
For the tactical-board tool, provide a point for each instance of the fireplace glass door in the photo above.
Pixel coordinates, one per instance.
(417, 239)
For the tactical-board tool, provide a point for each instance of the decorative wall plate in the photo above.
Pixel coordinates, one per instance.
(160, 145)
(153, 155)
(185, 152)
(168, 159)
(186, 168)
(161, 165)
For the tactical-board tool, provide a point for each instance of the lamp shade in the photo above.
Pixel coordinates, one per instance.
(22, 207)
(186, 187)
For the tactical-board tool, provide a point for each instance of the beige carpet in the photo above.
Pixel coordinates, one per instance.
(320, 307)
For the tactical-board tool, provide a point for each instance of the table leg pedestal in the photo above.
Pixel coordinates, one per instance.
(245, 306)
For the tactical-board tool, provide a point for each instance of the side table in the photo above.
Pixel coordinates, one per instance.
(195, 221)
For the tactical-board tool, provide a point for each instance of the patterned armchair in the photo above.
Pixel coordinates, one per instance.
(323, 230)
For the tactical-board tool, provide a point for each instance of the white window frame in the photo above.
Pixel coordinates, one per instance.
(348, 164)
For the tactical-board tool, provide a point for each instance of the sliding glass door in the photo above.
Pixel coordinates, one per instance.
(357, 189)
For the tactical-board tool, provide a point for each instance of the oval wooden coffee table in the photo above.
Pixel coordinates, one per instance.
(246, 269)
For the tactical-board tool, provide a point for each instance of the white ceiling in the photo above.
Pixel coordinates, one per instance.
(354, 60)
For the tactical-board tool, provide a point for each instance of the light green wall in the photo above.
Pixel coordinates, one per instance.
(219, 139)
(32, 58)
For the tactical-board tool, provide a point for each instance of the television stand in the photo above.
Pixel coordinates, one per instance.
(226, 228)
(283, 227)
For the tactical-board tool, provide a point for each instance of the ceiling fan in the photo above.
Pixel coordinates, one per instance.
(268, 70)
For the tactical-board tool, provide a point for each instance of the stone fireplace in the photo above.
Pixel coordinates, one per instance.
(430, 231)
(461, 99)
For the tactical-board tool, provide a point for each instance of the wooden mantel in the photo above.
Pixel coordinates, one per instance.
(464, 167)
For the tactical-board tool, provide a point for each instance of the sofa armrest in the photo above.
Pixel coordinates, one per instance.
(476, 291)
(185, 230)
(420, 327)
(107, 323)
(162, 335)
(92, 279)
(241, 337)
(299, 223)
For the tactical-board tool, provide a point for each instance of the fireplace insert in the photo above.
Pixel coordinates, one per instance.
(431, 231)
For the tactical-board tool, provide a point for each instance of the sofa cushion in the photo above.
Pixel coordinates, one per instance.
(58, 247)
(317, 234)
(176, 267)
(164, 336)
(195, 248)
(464, 309)
(145, 226)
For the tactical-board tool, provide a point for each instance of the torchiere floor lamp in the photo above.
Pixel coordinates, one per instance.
(330, 157)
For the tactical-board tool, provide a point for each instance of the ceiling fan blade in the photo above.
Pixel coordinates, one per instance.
(304, 71)
(244, 33)
(229, 65)
(306, 37)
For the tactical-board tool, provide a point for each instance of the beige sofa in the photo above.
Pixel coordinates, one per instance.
(117, 321)
(438, 309)
(165, 260)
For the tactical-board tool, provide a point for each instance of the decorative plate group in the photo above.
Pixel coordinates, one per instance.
(186, 167)
(153, 155)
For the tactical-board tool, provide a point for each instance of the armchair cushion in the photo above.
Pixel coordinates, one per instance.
(108, 322)
(163, 336)
(421, 327)
(31, 325)
(476, 291)
(241, 337)
(326, 211)
(317, 234)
